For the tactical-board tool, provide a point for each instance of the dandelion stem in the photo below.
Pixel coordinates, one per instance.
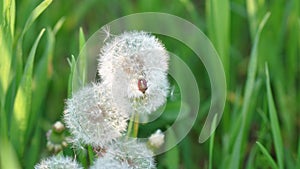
(130, 125)
(136, 125)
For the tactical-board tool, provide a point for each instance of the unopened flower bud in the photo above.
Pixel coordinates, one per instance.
(157, 139)
(58, 127)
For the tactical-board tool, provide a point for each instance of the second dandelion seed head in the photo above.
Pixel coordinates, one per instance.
(93, 118)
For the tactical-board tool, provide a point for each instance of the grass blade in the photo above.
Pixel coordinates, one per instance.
(79, 71)
(172, 156)
(252, 69)
(58, 25)
(72, 64)
(8, 156)
(7, 23)
(250, 161)
(218, 18)
(33, 16)
(6, 57)
(268, 156)
(82, 58)
(211, 143)
(5, 65)
(298, 155)
(274, 123)
(255, 11)
(32, 153)
(42, 76)
(22, 103)
(7, 28)
(8, 14)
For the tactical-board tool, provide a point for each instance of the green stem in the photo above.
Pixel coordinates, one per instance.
(130, 125)
(136, 126)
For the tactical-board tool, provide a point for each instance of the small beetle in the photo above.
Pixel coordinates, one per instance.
(142, 85)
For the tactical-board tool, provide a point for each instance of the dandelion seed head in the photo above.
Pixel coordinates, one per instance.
(126, 154)
(93, 118)
(135, 154)
(109, 162)
(135, 65)
(58, 162)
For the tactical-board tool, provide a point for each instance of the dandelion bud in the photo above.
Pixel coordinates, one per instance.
(58, 127)
(58, 162)
(134, 65)
(157, 139)
(56, 139)
(92, 118)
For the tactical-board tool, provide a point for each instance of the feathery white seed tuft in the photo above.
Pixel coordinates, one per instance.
(93, 118)
(58, 162)
(109, 162)
(126, 154)
(157, 139)
(134, 65)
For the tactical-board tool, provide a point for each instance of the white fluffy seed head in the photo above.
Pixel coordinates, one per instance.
(135, 65)
(93, 118)
(126, 154)
(58, 162)
(157, 139)
(109, 162)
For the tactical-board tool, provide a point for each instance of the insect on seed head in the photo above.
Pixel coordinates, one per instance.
(142, 85)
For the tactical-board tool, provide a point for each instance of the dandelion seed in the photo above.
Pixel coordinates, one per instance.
(58, 162)
(106, 30)
(92, 118)
(134, 65)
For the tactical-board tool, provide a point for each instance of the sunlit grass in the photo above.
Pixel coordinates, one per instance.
(40, 43)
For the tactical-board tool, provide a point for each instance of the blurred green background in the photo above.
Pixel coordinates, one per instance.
(260, 124)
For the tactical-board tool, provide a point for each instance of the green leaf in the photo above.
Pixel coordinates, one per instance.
(82, 58)
(6, 57)
(218, 23)
(235, 156)
(34, 149)
(274, 123)
(255, 11)
(33, 16)
(8, 14)
(58, 25)
(72, 64)
(42, 76)
(186, 147)
(172, 156)
(8, 156)
(7, 23)
(298, 155)
(211, 142)
(79, 67)
(21, 109)
(91, 155)
(250, 159)
(268, 156)
(5, 65)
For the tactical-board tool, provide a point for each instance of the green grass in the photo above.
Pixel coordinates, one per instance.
(41, 41)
